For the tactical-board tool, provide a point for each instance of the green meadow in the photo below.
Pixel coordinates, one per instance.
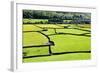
(75, 39)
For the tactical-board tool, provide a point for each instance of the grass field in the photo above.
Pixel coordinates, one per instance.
(34, 20)
(74, 38)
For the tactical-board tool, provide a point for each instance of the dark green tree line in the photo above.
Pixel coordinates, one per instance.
(54, 16)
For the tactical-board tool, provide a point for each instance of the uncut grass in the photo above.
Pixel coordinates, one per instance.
(49, 32)
(28, 27)
(85, 25)
(73, 31)
(34, 20)
(86, 29)
(34, 38)
(48, 26)
(34, 51)
(68, 43)
(63, 57)
(63, 43)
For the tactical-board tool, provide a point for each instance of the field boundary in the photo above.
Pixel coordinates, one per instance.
(51, 43)
(58, 54)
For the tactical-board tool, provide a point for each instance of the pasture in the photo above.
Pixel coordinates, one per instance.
(69, 42)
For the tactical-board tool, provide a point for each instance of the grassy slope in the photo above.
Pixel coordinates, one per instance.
(34, 20)
(78, 56)
(34, 38)
(69, 44)
(36, 51)
(28, 27)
